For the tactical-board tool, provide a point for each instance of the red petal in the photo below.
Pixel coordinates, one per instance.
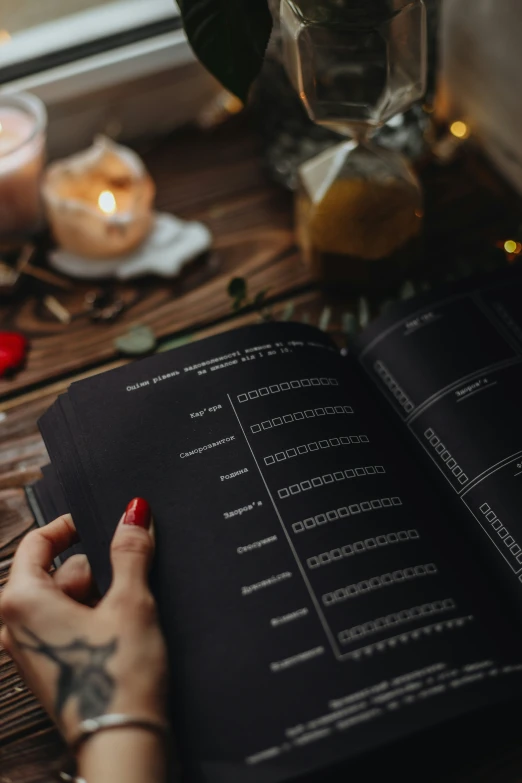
(13, 348)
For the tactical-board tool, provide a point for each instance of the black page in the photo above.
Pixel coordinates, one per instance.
(451, 367)
(48, 502)
(288, 652)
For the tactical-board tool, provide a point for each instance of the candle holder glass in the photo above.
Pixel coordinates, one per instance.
(23, 124)
(355, 64)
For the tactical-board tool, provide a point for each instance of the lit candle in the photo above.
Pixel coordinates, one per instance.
(99, 202)
(23, 121)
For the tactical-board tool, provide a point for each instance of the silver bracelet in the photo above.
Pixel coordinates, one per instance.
(92, 726)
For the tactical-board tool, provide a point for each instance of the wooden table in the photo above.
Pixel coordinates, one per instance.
(216, 177)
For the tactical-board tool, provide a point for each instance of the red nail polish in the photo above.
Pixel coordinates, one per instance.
(137, 513)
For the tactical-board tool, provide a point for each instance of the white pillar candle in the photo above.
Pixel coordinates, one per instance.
(23, 121)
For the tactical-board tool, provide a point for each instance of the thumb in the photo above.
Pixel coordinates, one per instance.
(132, 546)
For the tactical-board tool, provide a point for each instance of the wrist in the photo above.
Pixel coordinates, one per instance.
(125, 753)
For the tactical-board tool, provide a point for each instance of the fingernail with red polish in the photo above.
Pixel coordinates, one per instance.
(137, 513)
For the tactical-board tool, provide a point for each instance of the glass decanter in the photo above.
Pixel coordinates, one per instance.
(355, 65)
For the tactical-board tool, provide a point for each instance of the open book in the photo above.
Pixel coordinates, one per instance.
(339, 538)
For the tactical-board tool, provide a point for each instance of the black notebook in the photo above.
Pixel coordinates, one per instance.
(339, 538)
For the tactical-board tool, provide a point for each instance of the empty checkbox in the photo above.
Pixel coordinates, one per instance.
(274, 389)
(277, 421)
(313, 447)
(354, 509)
(266, 425)
(295, 384)
(335, 442)
(319, 412)
(305, 382)
(329, 410)
(324, 444)
(365, 439)
(305, 485)
(288, 418)
(327, 478)
(317, 482)
(359, 472)
(320, 519)
(370, 470)
(302, 449)
(253, 394)
(315, 381)
(284, 386)
(291, 453)
(343, 511)
(264, 391)
(298, 416)
(349, 473)
(309, 523)
(295, 489)
(283, 493)
(255, 428)
(298, 527)
(280, 456)
(269, 460)
(242, 398)
(354, 439)
(339, 409)
(339, 476)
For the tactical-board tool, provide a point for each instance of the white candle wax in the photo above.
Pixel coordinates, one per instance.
(22, 147)
(99, 201)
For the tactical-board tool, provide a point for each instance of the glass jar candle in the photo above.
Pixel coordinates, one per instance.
(23, 122)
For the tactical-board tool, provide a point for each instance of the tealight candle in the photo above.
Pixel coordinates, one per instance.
(23, 121)
(99, 202)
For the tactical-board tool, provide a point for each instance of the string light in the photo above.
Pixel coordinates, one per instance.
(459, 129)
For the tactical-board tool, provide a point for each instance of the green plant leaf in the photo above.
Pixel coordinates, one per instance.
(259, 298)
(237, 290)
(229, 37)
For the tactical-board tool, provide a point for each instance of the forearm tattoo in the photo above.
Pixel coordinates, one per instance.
(82, 673)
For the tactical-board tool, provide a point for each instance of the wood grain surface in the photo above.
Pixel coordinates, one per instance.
(216, 177)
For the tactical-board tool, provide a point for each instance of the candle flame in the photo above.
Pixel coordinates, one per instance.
(107, 202)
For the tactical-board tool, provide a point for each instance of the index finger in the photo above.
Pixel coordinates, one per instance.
(35, 555)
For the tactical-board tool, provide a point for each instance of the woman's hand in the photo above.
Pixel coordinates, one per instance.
(83, 661)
